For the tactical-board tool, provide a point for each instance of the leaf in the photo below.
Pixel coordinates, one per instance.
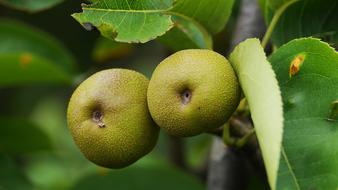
(30, 6)
(19, 136)
(17, 37)
(212, 15)
(51, 171)
(25, 69)
(306, 18)
(127, 21)
(197, 149)
(261, 90)
(309, 153)
(28, 55)
(141, 21)
(11, 176)
(141, 178)
(275, 4)
(188, 34)
(106, 49)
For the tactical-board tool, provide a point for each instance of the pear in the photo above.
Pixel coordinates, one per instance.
(109, 119)
(193, 91)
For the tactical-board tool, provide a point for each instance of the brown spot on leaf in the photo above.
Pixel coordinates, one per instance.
(295, 65)
(25, 59)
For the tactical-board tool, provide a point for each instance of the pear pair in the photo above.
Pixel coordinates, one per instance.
(114, 114)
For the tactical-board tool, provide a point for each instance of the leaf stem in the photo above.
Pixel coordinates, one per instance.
(274, 21)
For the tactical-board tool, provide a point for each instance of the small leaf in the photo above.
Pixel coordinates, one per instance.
(305, 18)
(18, 136)
(30, 6)
(29, 56)
(309, 153)
(261, 90)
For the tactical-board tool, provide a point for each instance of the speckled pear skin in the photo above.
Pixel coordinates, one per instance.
(193, 91)
(109, 119)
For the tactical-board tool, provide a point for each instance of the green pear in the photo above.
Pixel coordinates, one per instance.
(193, 91)
(109, 119)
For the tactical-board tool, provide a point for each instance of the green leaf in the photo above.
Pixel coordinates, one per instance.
(310, 141)
(197, 149)
(30, 6)
(261, 90)
(19, 136)
(26, 69)
(28, 56)
(275, 4)
(141, 178)
(140, 21)
(17, 37)
(11, 176)
(188, 34)
(212, 15)
(51, 171)
(306, 18)
(127, 21)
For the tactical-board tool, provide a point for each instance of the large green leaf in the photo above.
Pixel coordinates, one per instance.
(141, 178)
(306, 18)
(141, 21)
(18, 136)
(261, 90)
(28, 56)
(26, 69)
(30, 6)
(127, 21)
(310, 141)
(11, 176)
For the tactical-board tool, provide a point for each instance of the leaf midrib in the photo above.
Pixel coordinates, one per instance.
(126, 10)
